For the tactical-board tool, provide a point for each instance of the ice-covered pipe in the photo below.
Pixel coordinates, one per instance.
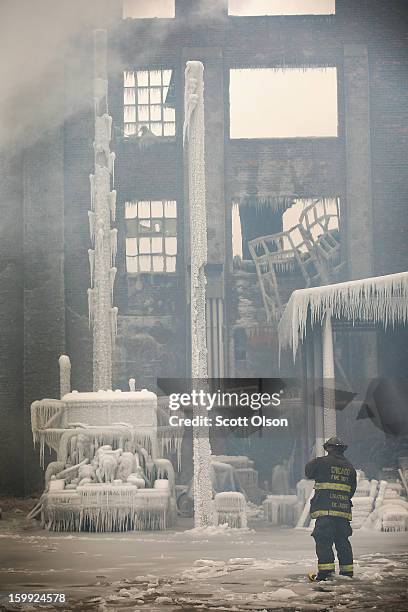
(329, 418)
(103, 203)
(194, 142)
(65, 375)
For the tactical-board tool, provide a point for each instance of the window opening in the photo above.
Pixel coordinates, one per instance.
(151, 236)
(281, 7)
(309, 247)
(148, 9)
(145, 103)
(257, 222)
(283, 103)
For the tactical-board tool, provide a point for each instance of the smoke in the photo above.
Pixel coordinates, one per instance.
(46, 67)
(43, 42)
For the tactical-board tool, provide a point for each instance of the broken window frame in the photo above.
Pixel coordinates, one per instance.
(156, 124)
(168, 229)
(310, 218)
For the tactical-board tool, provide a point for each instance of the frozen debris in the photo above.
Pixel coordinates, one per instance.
(132, 593)
(210, 570)
(163, 600)
(216, 530)
(230, 507)
(283, 594)
(254, 512)
(281, 509)
(241, 561)
(147, 578)
(208, 563)
(390, 512)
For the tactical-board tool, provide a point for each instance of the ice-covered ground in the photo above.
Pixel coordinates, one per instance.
(260, 568)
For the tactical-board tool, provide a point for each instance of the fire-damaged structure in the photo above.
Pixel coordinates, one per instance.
(283, 214)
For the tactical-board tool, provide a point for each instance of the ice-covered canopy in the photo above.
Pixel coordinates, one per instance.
(381, 299)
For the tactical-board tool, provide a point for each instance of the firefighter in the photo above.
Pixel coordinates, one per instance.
(335, 484)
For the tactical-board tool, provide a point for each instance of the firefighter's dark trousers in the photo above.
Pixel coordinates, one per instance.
(331, 530)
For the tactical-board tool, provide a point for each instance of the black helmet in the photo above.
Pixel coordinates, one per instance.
(335, 442)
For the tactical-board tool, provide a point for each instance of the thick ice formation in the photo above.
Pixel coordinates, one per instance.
(390, 510)
(382, 299)
(194, 134)
(102, 314)
(231, 509)
(97, 487)
(363, 500)
(107, 476)
(281, 509)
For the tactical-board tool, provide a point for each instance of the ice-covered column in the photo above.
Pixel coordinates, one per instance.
(329, 419)
(65, 375)
(317, 399)
(194, 135)
(103, 238)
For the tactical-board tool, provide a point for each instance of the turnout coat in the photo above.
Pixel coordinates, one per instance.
(335, 484)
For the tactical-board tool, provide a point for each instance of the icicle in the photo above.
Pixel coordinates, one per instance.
(171, 440)
(92, 184)
(382, 299)
(112, 158)
(113, 204)
(99, 238)
(112, 275)
(113, 244)
(43, 414)
(34, 410)
(108, 122)
(90, 307)
(91, 217)
(231, 509)
(91, 257)
(114, 321)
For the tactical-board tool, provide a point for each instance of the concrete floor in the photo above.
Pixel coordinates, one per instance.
(85, 566)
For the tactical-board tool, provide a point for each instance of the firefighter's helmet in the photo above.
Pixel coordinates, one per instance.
(335, 442)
